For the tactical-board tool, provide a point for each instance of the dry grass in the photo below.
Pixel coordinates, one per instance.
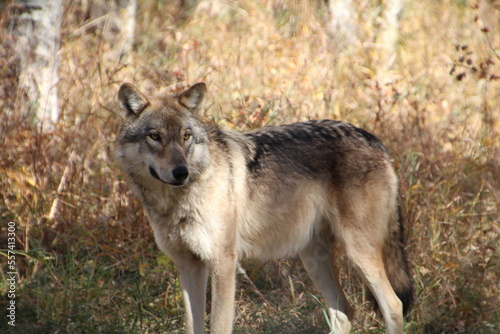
(94, 267)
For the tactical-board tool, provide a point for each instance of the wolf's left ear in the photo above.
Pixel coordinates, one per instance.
(132, 101)
(194, 97)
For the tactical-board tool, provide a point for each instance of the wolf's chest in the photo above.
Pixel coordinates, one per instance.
(183, 221)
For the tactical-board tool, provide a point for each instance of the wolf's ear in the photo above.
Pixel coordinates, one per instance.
(132, 101)
(194, 97)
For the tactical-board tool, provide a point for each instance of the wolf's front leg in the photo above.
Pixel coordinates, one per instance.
(223, 287)
(193, 274)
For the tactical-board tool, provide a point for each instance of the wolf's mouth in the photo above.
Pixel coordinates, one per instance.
(155, 174)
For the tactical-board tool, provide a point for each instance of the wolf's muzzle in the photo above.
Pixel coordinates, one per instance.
(177, 177)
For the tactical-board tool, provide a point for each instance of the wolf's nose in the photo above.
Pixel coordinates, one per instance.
(180, 173)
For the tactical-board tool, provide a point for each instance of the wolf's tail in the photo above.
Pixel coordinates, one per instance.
(396, 262)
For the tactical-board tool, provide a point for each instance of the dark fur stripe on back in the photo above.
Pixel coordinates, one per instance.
(293, 141)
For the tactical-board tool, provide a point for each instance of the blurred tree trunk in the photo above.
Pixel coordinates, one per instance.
(342, 28)
(389, 32)
(115, 22)
(342, 24)
(35, 26)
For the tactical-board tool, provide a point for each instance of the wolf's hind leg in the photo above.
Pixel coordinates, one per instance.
(369, 262)
(317, 258)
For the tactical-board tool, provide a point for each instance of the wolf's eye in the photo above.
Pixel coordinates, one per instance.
(155, 137)
(187, 135)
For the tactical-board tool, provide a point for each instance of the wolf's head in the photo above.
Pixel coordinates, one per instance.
(162, 137)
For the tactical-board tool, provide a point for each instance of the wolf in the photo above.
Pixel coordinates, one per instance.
(214, 196)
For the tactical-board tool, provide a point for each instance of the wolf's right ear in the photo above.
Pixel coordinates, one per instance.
(194, 97)
(132, 101)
